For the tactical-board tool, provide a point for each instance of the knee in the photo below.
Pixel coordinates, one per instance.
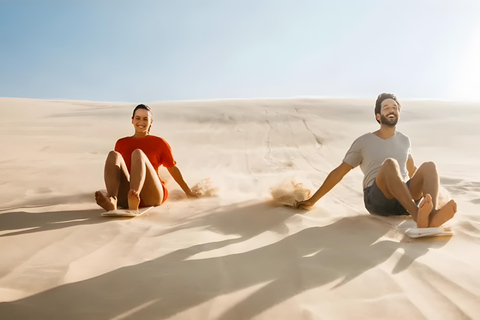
(429, 167)
(113, 157)
(137, 155)
(390, 164)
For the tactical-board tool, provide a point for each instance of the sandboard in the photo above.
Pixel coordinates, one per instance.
(428, 232)
(126, 212)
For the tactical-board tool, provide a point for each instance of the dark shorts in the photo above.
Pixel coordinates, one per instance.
(377, 203)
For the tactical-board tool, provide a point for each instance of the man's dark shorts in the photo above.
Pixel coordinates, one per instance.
(377, 203)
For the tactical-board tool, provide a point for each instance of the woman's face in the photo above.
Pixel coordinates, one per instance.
(142, 120)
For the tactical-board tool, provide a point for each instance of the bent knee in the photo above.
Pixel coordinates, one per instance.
(390, 163)
(113, 156)
(429, 165)
(428, 168)
(137, 154)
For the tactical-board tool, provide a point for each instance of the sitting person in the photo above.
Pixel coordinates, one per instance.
(392, 184)
(131, 170)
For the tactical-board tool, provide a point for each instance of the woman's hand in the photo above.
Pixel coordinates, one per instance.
(177, 176)
(192, 194)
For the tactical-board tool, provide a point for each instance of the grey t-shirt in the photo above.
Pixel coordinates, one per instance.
(370, 151)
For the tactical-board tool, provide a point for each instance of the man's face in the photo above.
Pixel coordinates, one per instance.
(389, 113)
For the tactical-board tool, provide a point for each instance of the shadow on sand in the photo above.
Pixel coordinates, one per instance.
(178, 281)
(21, 222)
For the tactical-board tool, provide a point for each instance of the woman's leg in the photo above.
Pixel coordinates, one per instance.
(116, 181)
(144, 182)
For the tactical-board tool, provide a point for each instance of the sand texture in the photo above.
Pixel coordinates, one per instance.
(236, 252)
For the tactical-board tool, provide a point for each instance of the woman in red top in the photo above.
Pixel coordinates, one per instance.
(131, 171)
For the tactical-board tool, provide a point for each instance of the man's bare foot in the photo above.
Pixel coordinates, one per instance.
(107, 203)
(133, 200)
(424, 209)
(445, 213)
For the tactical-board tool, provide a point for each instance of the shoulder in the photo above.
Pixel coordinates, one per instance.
(364, 138)
(155, 138)
(360, 143)
(124, 140)
(158, 141)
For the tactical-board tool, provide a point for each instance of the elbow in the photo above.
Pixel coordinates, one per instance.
(343, 169)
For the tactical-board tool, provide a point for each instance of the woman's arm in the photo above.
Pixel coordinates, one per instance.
(177, 176)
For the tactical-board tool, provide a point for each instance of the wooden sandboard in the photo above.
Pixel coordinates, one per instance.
(126, 212)
(429, 232)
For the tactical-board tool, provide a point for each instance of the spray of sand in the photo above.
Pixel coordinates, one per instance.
(289, 193)
(205, 188)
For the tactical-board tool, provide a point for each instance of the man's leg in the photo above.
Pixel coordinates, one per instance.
(390, 182)
(426, 181)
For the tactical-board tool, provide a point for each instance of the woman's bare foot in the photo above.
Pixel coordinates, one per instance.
(107, 203)
(424, 209)
(133, 200)
(445, 213)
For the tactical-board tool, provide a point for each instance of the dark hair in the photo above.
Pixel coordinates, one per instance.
(145, 107)
(141, 106)
(381, 97)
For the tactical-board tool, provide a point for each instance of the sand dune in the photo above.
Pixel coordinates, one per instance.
(234, 254)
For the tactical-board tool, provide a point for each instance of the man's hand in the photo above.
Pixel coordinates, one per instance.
(305, 204)
(331, 181)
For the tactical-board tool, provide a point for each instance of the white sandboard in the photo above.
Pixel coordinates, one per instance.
(428, 232)
(126, 212)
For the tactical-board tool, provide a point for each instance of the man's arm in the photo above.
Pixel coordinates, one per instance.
(411, 167)
(331, 181)
(177, 176)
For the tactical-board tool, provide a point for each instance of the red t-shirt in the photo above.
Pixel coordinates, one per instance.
(156, 149)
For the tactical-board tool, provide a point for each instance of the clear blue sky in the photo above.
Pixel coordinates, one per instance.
(203, 49)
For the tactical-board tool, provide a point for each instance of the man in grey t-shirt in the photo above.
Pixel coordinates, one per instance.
(392, 184)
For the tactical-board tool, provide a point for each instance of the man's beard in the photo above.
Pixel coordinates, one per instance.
(389, 122)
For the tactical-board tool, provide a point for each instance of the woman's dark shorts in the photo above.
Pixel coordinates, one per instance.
(377, 203)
